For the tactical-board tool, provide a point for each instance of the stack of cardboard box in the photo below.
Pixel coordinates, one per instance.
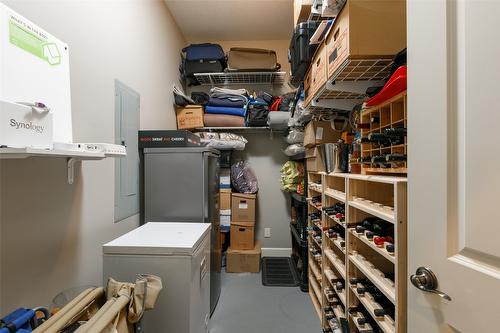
(225, 199)
(244, 253)
(317, 133)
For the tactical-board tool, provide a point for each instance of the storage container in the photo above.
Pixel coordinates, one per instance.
(301, 52)
(240, 261)
(225, 199)
(243, 207)
(225, 158)
(366, 30)
(189, 116)
(242, 235)
(319, 132)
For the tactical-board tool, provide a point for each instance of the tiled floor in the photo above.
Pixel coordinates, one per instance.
(246, 306)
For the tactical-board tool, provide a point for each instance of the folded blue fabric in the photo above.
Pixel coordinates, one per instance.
(226, 102)
(225, 110)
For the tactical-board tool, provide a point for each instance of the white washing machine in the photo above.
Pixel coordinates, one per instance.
(179, 253)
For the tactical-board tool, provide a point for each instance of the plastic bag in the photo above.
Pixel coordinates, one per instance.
(223, 140)
(243, 178)
(292, 176)
(295, 149)
(295, 136)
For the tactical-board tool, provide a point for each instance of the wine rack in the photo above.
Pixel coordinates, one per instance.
(390, 114)
(377, 296)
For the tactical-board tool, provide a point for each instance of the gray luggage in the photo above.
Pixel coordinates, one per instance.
(249, 59)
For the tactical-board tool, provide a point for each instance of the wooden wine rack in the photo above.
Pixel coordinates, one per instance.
(364, 196)
(392, 114)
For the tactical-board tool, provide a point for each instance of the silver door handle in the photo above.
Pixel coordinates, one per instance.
(425, 280)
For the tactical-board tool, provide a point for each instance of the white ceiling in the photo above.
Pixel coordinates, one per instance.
(233, 20)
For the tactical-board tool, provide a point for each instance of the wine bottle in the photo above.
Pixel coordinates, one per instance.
(378, 137)
(395, 157)
(365, 160)
(395, 131)
(366, 289)
(355, 281)
(384, 312)
(379, 159)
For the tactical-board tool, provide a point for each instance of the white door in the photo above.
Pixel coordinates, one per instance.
(454, 171)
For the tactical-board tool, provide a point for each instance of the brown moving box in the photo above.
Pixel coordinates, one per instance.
(319, 72)
(366, 29)
(225, 199)
(243, 207)
(242, 235)
(314, 160)
(301, 10)
(318, 132)
(189, 116)
(240, 261)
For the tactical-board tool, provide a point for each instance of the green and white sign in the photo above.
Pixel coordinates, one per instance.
(34, 42)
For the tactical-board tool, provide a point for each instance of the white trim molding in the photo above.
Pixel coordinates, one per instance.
(276, 251)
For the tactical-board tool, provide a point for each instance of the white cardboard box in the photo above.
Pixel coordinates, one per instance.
(21, 127)
(34, 67)
(225, 220)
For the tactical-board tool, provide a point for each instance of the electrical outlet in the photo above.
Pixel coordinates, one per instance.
(267, 232)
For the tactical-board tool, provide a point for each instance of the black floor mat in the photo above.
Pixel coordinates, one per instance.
(279, 272)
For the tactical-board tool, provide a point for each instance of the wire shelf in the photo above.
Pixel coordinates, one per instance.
(230, 78)
(363, 70)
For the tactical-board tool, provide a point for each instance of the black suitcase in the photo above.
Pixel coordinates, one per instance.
(300, 52)
(201, 58)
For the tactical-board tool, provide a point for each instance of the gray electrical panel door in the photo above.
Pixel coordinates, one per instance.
(127, 107)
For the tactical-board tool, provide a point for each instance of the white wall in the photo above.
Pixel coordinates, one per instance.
(51, 232)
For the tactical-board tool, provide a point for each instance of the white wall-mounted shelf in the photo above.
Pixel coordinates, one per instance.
(12, 153)
(71, 156)
(247, 78)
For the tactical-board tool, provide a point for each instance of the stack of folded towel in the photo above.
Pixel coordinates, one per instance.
(226, 107)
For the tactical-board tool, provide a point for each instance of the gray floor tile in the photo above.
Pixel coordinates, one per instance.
(246, 306)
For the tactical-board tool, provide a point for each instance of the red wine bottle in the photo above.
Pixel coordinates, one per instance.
(395, 158)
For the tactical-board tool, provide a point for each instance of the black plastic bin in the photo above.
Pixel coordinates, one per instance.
(300, 52)
(225, 158)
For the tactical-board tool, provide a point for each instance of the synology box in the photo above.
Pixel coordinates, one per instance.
(21, 126)
(34, 68)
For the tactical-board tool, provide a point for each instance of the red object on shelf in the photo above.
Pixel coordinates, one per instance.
(395, 85)
(379, 241)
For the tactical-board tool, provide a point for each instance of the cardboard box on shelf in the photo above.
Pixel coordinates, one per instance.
(242, 235)
(225, 199)
(314, 160)
(319, 71)
(318, 132)
(243, 207)
(301, 10)
(243, 261)
(366, 29)
(189, 116)
(225, 178)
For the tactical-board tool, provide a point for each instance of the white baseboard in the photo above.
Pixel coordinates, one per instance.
(276, 251)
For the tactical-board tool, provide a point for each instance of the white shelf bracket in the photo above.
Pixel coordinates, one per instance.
(71, 169)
